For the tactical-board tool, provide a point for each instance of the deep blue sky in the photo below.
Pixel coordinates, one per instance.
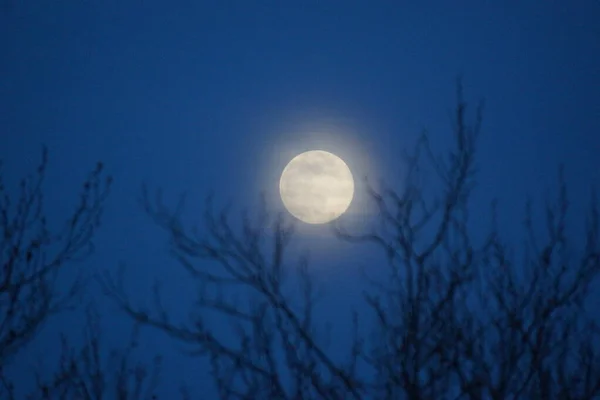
(203, 97)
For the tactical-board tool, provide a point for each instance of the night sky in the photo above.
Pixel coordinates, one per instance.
(216, 97)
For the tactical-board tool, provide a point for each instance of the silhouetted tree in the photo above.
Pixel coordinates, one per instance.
(32, 257)
(453, 319)
(93, 373)
(277, 354)
(458, 319)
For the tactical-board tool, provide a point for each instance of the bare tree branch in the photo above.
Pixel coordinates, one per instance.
(88, 373)
(32, 256)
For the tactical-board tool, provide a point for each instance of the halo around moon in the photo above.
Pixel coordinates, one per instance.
(316, 187)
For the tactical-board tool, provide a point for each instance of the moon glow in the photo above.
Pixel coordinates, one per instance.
(316, 187)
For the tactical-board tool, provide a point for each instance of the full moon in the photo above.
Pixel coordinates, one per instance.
(316, 187)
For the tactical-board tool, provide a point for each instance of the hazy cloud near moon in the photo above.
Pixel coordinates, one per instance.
(316, 187)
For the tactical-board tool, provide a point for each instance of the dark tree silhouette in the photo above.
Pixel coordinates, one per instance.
(32, 257)
(277, 355)
(457, 317)
(89, 373)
